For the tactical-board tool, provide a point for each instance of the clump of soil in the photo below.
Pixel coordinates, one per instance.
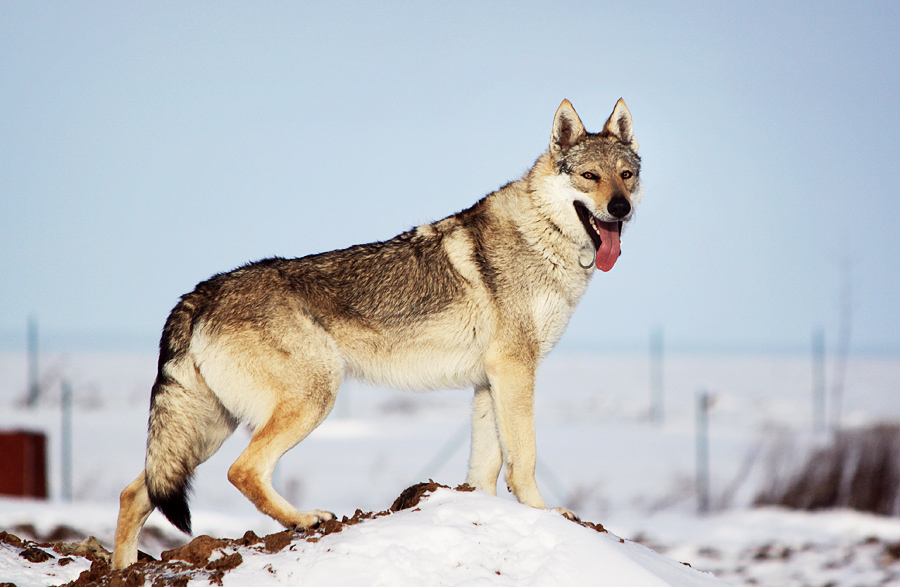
(413, 494)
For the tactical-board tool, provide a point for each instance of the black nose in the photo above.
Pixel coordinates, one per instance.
(619, 207)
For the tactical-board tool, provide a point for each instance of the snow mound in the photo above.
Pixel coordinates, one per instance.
(434, 536)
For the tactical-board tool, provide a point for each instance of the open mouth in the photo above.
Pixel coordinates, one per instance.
(604, 235)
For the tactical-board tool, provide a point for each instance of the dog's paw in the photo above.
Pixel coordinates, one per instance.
(322, 517)
(310, 520)
(568, 514)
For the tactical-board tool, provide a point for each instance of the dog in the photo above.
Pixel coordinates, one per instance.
(476, 299)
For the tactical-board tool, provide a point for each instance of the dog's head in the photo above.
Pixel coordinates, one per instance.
(600, 172)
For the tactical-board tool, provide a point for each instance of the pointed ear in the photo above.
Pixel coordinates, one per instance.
(620, 125)
(567, 129)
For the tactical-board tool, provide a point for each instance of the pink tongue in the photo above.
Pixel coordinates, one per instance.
(609, 250)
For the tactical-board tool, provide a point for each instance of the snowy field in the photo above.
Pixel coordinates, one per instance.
(599, 454)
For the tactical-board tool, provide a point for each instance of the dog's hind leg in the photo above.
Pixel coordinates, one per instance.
(252, 472)
(297, 384)
(282, 379)
(134, 509)
(485, 459)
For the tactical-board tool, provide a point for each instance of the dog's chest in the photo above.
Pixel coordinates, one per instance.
(552, 308)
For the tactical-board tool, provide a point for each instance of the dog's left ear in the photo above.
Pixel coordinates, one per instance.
(567, 129)
(620, 125)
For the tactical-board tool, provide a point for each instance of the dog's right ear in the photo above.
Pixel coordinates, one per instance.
(567, 129)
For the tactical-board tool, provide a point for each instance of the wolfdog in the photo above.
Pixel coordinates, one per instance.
(476, 299)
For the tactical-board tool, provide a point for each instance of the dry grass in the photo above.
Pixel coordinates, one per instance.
(859, 469)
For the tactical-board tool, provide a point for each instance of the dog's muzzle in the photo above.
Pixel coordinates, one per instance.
(606, 236)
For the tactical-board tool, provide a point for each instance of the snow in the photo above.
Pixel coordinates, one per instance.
(450, 538)
(471, 539)
(598, 455)
(16, 570)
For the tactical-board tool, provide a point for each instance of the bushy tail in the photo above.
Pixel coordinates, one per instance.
(174, 503)
(187, 422)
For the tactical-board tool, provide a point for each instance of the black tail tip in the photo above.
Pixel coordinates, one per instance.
(175, 508)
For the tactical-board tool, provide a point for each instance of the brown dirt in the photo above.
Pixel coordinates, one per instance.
(34, 554)
(11, 539)
(413, 494)
(196, 552)
(276, 542)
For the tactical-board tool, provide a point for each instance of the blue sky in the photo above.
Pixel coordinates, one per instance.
(144, 147)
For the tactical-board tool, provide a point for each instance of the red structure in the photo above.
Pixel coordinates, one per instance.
(23, 464)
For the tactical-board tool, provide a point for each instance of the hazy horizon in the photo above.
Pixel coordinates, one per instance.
(148, 147)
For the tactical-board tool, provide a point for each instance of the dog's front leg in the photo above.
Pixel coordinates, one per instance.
(512, 392)
(485, 458)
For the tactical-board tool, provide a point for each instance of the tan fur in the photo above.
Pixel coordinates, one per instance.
(476, 299)
(252, 472)
(134, 509)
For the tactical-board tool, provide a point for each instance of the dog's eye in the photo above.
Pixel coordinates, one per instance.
(588, 175)
(627, 174)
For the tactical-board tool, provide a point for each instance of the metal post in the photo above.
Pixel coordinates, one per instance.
(66, 440)
(818, 380)
(843, 347)
(34, 388)
(657, 408)
(703, 403)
